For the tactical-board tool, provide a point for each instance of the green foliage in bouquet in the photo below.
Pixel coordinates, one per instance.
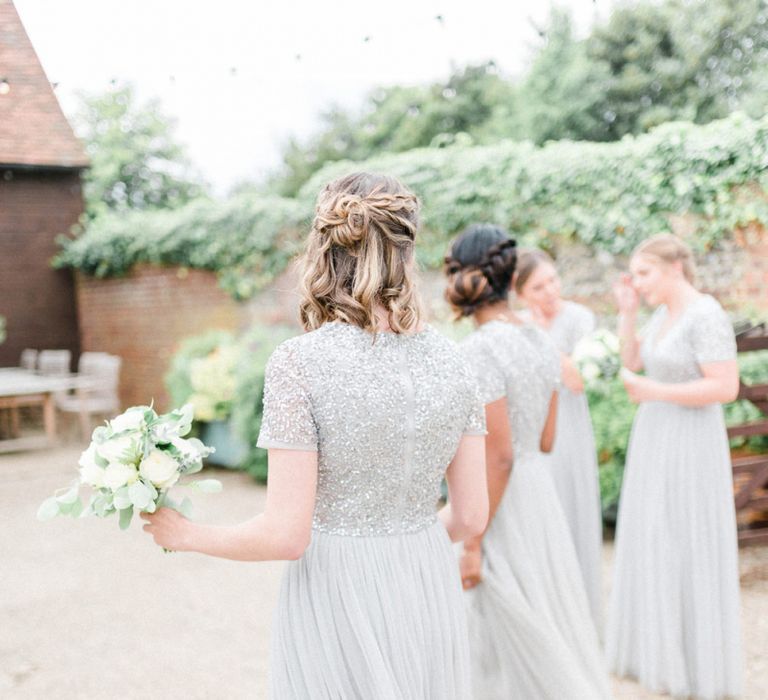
(131, 464)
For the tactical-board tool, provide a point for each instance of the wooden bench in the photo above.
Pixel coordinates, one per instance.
(750, 472)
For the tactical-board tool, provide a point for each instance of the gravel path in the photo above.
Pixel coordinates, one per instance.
(91, 612)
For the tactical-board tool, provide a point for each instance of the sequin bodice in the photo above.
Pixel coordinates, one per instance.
(572, 323)
(521, 363)
(384, 415)
(702, 333)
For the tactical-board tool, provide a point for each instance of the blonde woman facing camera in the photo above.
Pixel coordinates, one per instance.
(363, 415)
(674, 614)
(573, 460)
(531, 632)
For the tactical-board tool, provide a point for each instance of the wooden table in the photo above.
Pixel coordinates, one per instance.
(23, 388)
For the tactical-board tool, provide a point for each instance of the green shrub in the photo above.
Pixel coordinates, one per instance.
(252, 350)
(256, 347)
(178, 379)
(753, 368)
(612, 415)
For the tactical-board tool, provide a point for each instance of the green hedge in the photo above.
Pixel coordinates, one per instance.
(247, 240)
(608, 195)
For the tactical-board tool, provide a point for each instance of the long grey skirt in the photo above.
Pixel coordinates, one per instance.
(531, 630)
(674, 614)
(573, 465)
(373, 618)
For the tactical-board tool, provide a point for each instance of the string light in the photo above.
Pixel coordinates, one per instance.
(5, 86)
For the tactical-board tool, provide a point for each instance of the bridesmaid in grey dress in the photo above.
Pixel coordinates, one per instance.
(674, 613)
(573, 460)
(531, 632)
(363, 416)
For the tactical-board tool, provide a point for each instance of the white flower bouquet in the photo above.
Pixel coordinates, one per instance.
(597, 357)
(131, 464)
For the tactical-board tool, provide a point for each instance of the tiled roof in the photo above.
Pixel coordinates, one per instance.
(33, 129)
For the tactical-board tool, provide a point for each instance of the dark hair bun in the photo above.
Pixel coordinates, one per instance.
(479, 267)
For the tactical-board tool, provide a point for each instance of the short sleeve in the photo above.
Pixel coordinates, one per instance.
(712, 336)
(488, 376)
(475, 424)
(287, 421)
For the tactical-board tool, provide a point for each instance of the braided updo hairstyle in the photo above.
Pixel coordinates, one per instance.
(479, 267)
(359, 255)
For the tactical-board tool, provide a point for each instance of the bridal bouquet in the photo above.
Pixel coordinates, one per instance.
(131, 464)
(597, 357)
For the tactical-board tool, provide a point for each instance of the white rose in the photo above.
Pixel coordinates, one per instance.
(122, 449)
(160, 468)
(132, 419)
(590, 372)
(118, 474)
(90, 472)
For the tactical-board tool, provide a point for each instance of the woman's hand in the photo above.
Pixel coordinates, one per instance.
(169, 528)
(640, 389)
(470, 566)
(627, 298)
(570, 375)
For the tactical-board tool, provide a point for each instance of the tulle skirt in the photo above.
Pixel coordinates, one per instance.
(531, 631)
(573, 465)
(674, 614)
(375, 618)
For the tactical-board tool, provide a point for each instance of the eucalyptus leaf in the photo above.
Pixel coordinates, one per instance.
(122, 499)
(125, 517)
(185, 507)
(76, 509)
(207, 485)
(139, 495)
(69, 496)
(48, 509)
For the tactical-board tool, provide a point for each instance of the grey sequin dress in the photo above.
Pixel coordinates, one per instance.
(573, 460)
(673, 619)
(531, 630)
(374, 609)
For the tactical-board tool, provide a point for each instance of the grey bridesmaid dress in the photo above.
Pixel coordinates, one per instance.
(531, 631)
(673, 619)
(374, 608)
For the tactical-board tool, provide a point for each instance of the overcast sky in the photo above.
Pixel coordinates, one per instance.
(241, 76)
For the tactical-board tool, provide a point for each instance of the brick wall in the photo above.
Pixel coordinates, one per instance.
(143, 317)
(37, 301)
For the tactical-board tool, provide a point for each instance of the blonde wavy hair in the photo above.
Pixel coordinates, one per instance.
(669, 249)
(360, 255)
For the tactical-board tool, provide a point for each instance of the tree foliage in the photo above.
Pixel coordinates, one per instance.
(649, 63)
(136, 163)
